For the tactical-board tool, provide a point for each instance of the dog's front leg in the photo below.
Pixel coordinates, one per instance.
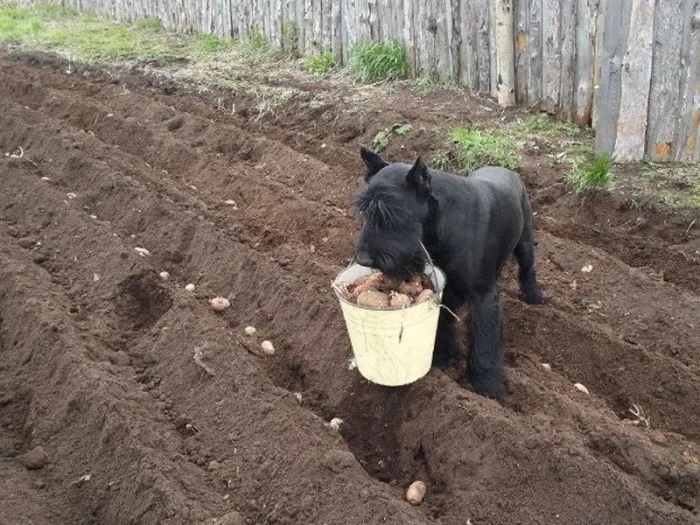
(446, 341)
(486, 344)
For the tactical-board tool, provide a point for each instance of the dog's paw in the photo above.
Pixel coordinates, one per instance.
(537, 298)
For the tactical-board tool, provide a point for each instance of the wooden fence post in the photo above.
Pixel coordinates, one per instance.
(505, 66)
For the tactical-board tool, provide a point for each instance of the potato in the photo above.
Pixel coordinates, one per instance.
(373, 299)
(416, 492)
(219, 304)
(399, 300)
(424, 295)
(411, 288)
(366, 282)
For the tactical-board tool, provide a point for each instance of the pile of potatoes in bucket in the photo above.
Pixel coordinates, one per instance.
(378, 291)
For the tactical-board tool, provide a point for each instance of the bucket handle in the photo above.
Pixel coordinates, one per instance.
(432, 265)
(430, 260)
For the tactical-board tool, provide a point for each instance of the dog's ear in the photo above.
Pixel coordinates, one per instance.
(418, 177)
(373, 162)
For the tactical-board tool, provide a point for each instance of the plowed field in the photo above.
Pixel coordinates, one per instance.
(97, 351)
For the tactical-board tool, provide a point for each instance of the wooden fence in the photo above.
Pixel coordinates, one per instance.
(629, 68)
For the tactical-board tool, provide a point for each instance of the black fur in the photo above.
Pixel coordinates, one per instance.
(470, 226)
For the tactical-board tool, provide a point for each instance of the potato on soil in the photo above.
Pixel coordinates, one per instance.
(416, 492)
(373, 299)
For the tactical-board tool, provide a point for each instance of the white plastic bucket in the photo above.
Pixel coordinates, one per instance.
(392, 346)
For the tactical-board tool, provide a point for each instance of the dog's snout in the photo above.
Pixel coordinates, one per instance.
(364, 259)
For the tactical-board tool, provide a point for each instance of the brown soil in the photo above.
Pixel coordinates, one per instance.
(97, 352)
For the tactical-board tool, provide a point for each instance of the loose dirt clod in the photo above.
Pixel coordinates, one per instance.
(36, 458)
(189, 287)
(199, 360)
(547, 367)
(164, 276)
(416, 493)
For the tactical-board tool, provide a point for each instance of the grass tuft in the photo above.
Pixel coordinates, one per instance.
(474, 148)
(207, 44)
(377, 61)
(595, 174)
(320, 64)
(290, 37)
(381, 139)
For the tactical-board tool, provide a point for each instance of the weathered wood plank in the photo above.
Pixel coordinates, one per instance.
(567, 73)
(503, 18)
(485, 63)
(616, 21)
(585, 45)
(535, 52)
(521, 26)
(326, 24)
(409, 34)
(551, 54)
(336, 34)
(688, 130)
(363, 28)
(444, 40)
(635, 76)
(664, 95)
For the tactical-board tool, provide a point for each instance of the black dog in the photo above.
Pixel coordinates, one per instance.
(470, 226)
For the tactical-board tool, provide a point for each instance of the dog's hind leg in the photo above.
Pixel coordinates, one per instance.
(525, 254)
(486, 344)
(446, 341)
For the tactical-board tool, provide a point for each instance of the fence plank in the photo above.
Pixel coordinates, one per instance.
(409, 33)
(567, 75)
(615, 28)
(503, 20)
(688, 141)
(585, 41)
(635, 77)
(664, 96)
(551, 54)
(521, 26)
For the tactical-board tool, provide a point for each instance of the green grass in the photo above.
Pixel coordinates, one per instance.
(290, 37)
(378, 61)
(84, 37)
(208, 44)
(593, 175)
(150, 23)
(674, 184)
(426, 84)
(320, 64)
(472, 148)
(381, 139)
(542, 124)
